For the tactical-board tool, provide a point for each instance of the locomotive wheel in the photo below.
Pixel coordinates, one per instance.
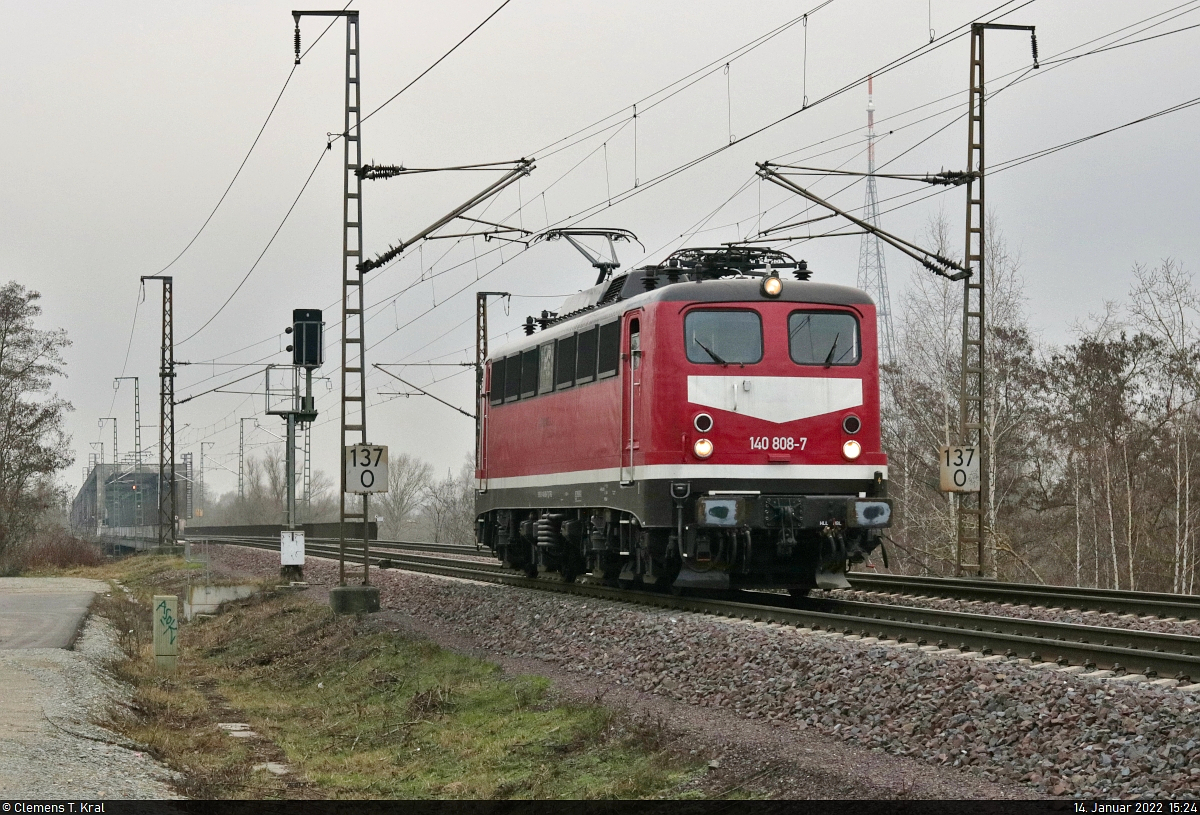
(531, 570)
(799, 594)
(610, 569)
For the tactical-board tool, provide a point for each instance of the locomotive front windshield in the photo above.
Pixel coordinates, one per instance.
(823, 338)
(723, 337)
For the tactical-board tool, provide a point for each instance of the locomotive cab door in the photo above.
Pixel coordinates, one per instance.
(631, 381)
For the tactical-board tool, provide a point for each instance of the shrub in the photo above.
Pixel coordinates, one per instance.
(54, 548)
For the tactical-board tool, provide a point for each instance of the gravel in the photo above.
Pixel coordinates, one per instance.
(1002, 722)
(51, 746)
(1131, 622)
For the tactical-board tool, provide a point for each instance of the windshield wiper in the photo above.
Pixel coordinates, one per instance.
(710, 351)
(829, 359)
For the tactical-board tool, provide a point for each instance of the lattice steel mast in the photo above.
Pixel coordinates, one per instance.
(354, 362)
(872, 273)
(137, 418)
(167, 532)
(481, 352)
(972, 428)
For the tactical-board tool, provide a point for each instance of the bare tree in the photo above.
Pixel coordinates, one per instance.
(33, 443)
(449, 506)
(409, 480)
(922, 407)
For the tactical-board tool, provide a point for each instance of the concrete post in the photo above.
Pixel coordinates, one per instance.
(166, 631)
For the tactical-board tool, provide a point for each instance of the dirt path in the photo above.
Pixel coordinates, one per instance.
(49, 744)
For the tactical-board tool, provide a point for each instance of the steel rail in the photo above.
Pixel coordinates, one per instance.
(1146, 653)
(1117, 601)
(416, 546)
(1159, 604)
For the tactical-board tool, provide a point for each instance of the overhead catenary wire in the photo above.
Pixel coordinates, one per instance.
(1008, 164)
(753, 44)
(327, 147)
(683, 82)
(890, 66)
(670, 173)
(687, 165)
(436, 62)
(246, 158)
(1054, 62)
(258, 136)
(729, 57)
(261, 254)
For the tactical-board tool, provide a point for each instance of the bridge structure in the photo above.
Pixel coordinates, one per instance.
(118, 504)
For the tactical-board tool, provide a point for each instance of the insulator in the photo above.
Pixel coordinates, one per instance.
(298, 43)
(1033, 42)
(528, 326)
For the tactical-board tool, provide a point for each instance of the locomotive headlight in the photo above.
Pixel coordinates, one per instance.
(703, 448)
(851, 449)
(772, 286)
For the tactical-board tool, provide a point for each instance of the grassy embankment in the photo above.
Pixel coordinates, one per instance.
(355, 710)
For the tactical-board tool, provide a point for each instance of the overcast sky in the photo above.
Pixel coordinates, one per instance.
(124, 123)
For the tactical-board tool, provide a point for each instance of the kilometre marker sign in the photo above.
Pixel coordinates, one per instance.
(366, 468)
(959, 469)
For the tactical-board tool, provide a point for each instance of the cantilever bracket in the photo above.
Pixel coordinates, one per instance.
(521, 167)
(930, 260)
(424, 392)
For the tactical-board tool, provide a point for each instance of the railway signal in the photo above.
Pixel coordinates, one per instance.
(308, 353)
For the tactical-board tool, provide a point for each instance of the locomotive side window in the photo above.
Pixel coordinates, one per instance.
(610, 349)
(546, 368)
(823, 338)
(529, 372)
(566, 362)
(496, 389)
(723, 337)
(585, 365)
(512, 378)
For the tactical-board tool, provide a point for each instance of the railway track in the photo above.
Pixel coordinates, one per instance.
(1114, 601)
(1053, 643)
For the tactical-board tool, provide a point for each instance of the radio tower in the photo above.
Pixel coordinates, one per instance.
(872, 274)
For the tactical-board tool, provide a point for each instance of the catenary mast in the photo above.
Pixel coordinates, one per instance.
(872, 274)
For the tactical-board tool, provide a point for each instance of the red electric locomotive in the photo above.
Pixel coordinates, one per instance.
(701, 423)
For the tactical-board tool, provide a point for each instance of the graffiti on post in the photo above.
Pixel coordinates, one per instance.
(166, 619)
(166, 630)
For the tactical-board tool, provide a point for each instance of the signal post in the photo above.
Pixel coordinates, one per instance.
(308, 353)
